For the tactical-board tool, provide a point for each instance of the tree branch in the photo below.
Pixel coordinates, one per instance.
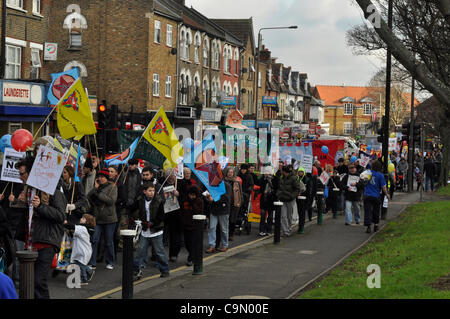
(407, 59)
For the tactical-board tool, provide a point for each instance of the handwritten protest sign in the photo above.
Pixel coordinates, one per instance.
(9, 172)
(324, 178)
(47, 169)
(364, 161)
(307, 162)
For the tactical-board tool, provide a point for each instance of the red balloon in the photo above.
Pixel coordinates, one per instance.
(21, 140)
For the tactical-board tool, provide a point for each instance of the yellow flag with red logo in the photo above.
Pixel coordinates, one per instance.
(74, 113)
(161, 135)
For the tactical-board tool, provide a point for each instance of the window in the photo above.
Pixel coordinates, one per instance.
(155, 84)
(12, 127)
(251, 68)
(13, 62)
(187, 46)
(169, 35)
(205, 93)
(236, 62)
(230, 58)
(348, 109)
(168, 86)
(37, 6)
(75, 40)
(196, 49)
(15, 3)
(218, 57)
(205, 53)
(157, 31)
(259, 79)
(348, 128)
(367, 109)
(35, 64)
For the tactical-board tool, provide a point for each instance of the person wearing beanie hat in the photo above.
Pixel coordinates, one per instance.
(102, 199)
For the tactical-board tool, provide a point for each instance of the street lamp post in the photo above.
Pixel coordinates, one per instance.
(257, 66)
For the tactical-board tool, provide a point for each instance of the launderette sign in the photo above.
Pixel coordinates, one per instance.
(22, 93)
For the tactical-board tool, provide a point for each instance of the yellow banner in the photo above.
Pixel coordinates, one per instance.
(161, 135)
(74, 114)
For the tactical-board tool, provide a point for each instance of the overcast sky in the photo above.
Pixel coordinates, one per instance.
(317, 47)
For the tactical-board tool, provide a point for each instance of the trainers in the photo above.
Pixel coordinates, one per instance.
(138, 274)
(92, 267)
(222, 250)
(210, 250)
(189, 263)
(91, 275)
(164, 274)
(84, 283)
(110, 267)
(262, 234)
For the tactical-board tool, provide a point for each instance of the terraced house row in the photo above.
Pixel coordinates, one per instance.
(141, 55)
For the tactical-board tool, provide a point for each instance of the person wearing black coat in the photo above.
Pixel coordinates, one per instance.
(266, 202)
(77, 203)
(430, 171)
(7, 248)
(352, 195)
(219, 214)
(334, 191)
(151, 216)
(46, 230)
(192, 219)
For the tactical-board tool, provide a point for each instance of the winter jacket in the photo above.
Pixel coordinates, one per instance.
(247, 183)
(267, 190)
(79, 199)
(429, 167)
(402, 167)
(223, 205)
(190, 208)
(352, 196)
(103, 202)
(182, 187)
(48, 219)
(334, 183)
(306, 180)
(14, 214)
(132, 188)
(156, 222)
(81, 245)
(89, 181)
(6, 240)
(289, 188)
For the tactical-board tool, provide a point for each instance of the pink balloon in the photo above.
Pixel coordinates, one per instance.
(21, 140)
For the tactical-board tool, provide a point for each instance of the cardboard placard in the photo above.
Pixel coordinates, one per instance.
(10, 159)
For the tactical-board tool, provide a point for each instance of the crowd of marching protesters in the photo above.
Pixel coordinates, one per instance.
(109, 199)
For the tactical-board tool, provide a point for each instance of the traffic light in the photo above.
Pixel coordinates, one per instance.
(416, 133)
(406, 131)
(102, 114)
(114, 118)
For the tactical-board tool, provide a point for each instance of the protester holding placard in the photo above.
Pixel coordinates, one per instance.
(42, 229)
(172, 215)
(353, 186)
(74, 192)
(266, 201)
(302, 199)
(334, 190)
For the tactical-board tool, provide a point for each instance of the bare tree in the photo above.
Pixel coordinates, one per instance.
(419, 40)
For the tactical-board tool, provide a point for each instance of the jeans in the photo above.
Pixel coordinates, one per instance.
(85, 271)
(351, 207)
(341, 202)
(158, 247)
(109, 230)
(42, 268)
(265, 225)
(287, 211)
(429, 179)
(223, 220)
(371, 210)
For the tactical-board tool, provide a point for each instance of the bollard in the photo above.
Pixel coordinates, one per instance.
(277, 232)
(27, 259)
(127, 269)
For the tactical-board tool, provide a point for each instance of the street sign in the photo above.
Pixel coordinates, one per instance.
(50, 51)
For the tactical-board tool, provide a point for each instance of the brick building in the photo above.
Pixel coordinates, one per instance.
(123, 49)
(351, 109)
(23, 101)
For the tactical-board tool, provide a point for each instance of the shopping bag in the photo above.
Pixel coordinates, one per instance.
(64, 253)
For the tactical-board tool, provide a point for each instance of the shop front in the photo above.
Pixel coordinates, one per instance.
(23, 105)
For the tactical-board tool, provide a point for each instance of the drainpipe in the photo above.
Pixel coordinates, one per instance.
(3, 59)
